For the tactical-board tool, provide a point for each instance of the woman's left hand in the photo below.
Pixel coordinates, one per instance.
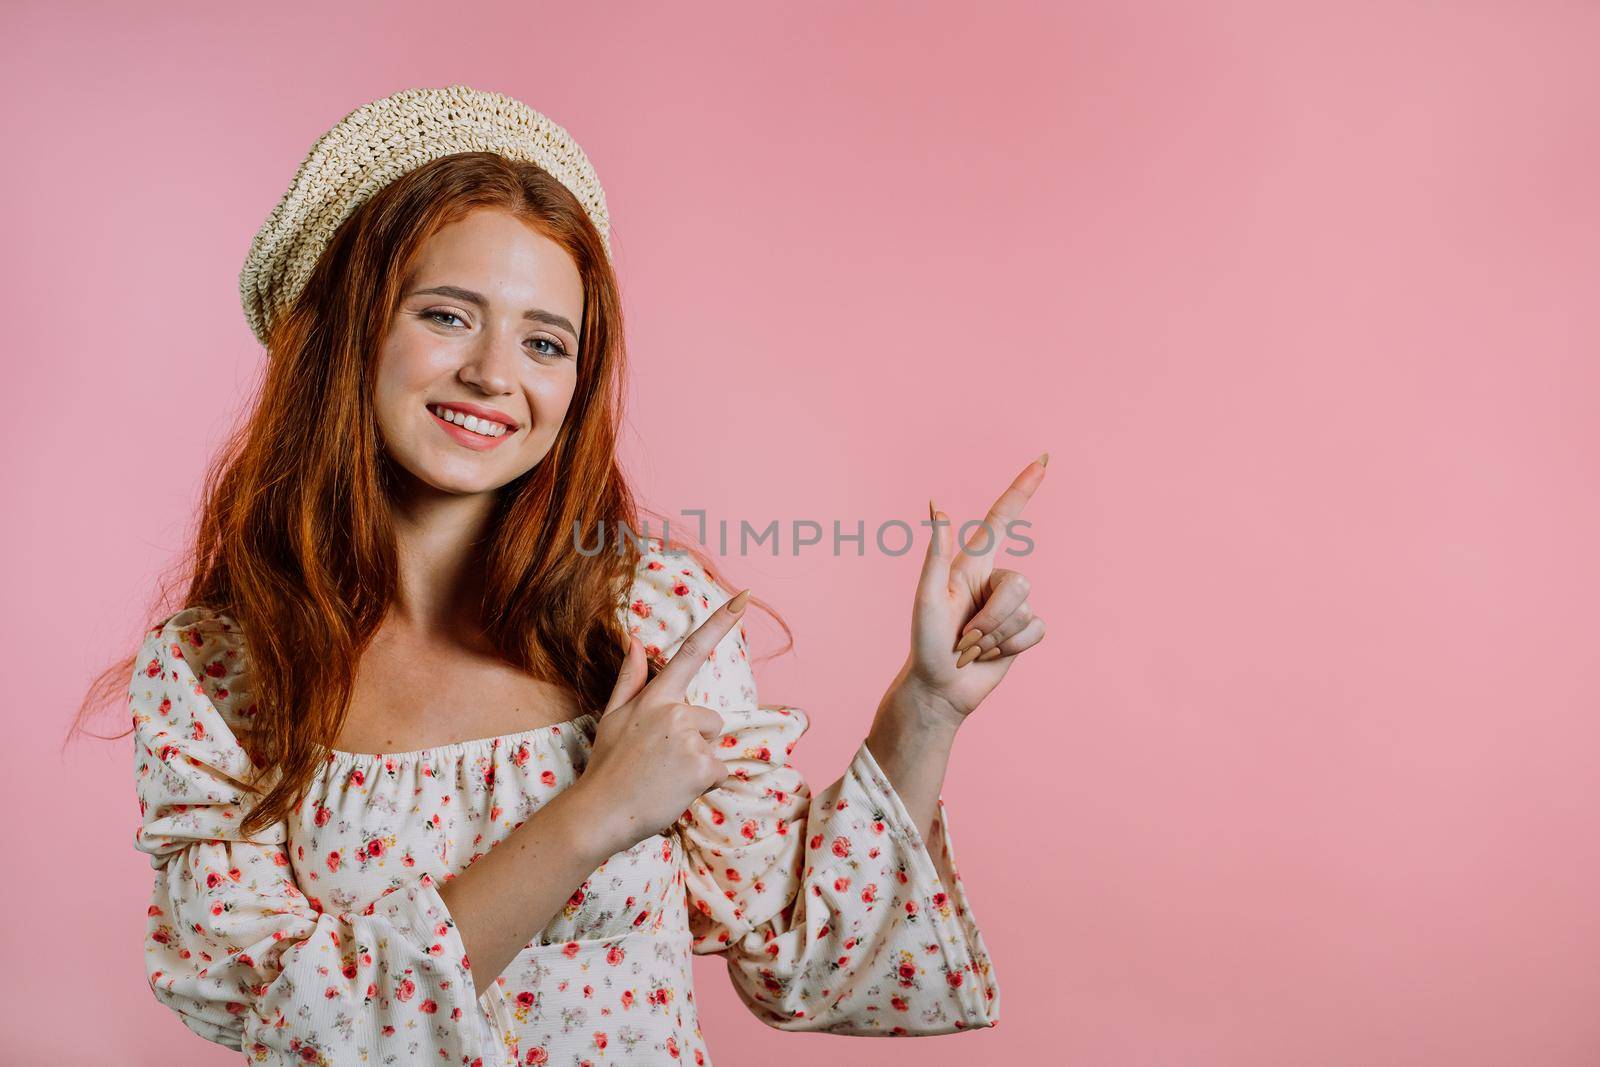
(970, 619)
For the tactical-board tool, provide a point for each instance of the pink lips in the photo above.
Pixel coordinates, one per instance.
(466, 407)
(475, 441)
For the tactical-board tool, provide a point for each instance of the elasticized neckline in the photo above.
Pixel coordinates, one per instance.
(463, 748)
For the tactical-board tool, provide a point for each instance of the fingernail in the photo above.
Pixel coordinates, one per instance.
(1044, 459)
(736, 605)
(967, 657)
(968, 639)
(933, 512)
(993, 653)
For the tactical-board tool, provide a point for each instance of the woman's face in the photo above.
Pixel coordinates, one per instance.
(486, 326)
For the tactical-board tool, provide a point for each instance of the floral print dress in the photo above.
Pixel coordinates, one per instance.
(323, 939)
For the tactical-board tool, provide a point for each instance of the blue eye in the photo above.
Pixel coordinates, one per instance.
(560, 349)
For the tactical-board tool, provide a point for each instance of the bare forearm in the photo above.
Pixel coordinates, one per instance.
(912, 745)
(511, 893)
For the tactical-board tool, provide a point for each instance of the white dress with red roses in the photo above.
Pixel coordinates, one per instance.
(323, 939)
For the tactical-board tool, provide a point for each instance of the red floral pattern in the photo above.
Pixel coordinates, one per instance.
(324, 939)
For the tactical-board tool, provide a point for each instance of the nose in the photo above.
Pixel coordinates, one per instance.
(491, 361)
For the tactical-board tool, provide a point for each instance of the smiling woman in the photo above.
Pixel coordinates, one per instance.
(418, 781)
(485, 330)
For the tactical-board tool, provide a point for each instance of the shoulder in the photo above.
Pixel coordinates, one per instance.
(191, 773)
(192, 665)
(673, 593)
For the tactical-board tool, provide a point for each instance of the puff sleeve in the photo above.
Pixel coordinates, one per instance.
(231, 944)
(833, 912)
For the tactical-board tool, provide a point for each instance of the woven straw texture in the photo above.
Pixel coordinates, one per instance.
(374, 145)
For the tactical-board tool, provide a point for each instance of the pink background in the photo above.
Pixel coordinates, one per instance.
(1301, 299)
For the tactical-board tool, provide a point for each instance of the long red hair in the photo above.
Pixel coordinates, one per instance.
(295, 538)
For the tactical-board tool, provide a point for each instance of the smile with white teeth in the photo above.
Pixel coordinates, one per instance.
(470, 422)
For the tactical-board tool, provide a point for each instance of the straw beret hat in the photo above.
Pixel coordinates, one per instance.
(377, 143)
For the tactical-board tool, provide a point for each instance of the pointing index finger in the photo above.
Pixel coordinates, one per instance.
(674, 678)
(1009, 506)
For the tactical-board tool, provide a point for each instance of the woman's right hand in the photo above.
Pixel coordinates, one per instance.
(653, 753)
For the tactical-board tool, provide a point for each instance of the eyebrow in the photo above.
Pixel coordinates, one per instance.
(536, 314)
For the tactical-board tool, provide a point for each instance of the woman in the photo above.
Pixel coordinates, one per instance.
(424, 778)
